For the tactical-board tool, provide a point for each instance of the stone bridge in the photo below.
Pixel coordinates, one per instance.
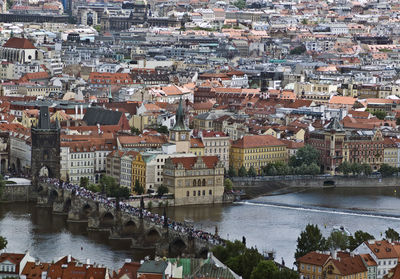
(120, 225)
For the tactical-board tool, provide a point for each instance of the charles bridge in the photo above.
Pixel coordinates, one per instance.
(119, 225)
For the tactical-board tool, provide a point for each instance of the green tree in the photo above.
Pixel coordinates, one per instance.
(230, 250)
(298, 50)
(244, 264)
(313, 169)
(3, 242)
(356, 168)
(161, 190)
(228, 184)
(232, 172)
(344, 167)
(367, 170)
(304, 21)
(380, 114)
(391, 234)
(264, 270)
(162, 129)
(305, 155)
(135, 131)
(252, 172)
(94, 188)
(286, 273)
(387, 170)
(358, 238)
(338, 240)
(97, 28)
(138, 188)
(84, 182)
(310, 239)
(240, 4)
(242, 172)
(109, 186)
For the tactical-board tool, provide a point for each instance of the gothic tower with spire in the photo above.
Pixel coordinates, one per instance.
(180, 133)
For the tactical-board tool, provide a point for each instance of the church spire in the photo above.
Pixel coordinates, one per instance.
(180, 118)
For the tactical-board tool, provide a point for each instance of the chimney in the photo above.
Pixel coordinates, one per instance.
(87, 261)
(128, 260)
(76, 111)
(334, 254)
(68, 258)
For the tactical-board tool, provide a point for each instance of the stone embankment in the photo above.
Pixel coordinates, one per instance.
(259, 186)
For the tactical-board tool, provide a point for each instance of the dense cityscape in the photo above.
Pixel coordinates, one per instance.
(199, 139)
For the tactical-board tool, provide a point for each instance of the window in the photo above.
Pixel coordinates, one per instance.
(210, 192)
(194, 193)
(187, 193)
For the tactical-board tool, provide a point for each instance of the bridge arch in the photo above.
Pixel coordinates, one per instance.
(177, 247)
(153, 235)
(107, 220)
(85, 211)
(204, 253)
(129, 228)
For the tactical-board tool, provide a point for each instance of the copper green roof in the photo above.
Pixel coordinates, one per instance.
(180, 119)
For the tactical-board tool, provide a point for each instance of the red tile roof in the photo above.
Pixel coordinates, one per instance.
(189, 162)
(257, 141)
(20, 43)
(314, 258)
(382, 249)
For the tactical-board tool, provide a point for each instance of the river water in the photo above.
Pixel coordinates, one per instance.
(271, 223)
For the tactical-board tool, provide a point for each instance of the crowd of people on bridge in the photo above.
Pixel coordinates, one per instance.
(155, 218)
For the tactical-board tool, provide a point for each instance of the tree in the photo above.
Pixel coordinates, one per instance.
(3, 242)
(367, 170)
(240, 4)
(298, 50)
(387, 170)
(94, 188)
(305, 155)
(84, 182)
(228, 185)
(313, 169)
(286, 273)
(344, 167)
(138, 188)
(109, 186)
(230, 250)
(356, 168)
(338, 240)
(135, 131)
(358, 238)
(162, 129)
(310, 239)
(242, 171)
(304, 21)
(244, 264)
(392, 234)
(161, 190)
(97, 28)
(252, 172)
(380, 114)
(264, 270)
(232, 172)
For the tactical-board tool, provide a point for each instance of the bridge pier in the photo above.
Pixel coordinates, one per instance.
(120, 228)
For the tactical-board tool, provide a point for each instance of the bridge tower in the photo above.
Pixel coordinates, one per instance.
(45, 155)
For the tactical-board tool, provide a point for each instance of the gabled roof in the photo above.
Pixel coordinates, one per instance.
(314, 258)
(189, 162)
(349, 265)
(94, 116)
(382, 249)
(153, 267)
(20, 43)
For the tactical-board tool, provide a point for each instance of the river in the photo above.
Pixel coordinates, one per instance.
(271, 223)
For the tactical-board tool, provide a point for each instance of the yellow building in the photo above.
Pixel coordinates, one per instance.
(311, 265)
(257, 151)
(195, 180)
(344, 267)
(138, 171)
(390, 152)
(196, 147)
(30, 117)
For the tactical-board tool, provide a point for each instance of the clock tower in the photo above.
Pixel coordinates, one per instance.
(180, 134)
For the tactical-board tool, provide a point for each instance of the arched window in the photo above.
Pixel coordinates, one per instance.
(187, 194)
(199, 182)
(194, 182)
(204, 182)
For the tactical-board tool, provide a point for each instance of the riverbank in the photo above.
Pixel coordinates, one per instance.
(256, 187)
